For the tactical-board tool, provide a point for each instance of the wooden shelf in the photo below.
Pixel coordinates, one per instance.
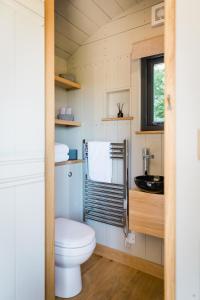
(67, 123)
(67, 84)
(150, 132)
(69, 162)
(118, 119)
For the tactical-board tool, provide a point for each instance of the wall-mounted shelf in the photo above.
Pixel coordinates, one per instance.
(117, 119)
(150, 132)
(67, 84)
(69, 162)
(67, 123)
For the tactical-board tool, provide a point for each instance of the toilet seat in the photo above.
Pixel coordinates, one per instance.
(75, 251)
(70, 234)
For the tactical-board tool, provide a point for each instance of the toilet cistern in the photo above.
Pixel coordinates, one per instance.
(147, 156)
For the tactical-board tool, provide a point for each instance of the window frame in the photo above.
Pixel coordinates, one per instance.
(147, 65)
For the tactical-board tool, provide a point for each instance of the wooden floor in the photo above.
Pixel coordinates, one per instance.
(104, 279)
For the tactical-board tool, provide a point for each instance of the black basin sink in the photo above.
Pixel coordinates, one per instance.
(150, 183)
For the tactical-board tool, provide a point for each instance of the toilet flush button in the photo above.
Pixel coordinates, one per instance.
(69, 174)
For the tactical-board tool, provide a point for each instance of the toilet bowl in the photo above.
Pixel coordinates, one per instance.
(74, 244)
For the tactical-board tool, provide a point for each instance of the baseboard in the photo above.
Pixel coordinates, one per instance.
(137, 263)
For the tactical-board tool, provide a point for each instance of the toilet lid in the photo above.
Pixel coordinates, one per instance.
(72, 234)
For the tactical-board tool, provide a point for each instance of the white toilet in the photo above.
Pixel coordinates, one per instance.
(74, 244)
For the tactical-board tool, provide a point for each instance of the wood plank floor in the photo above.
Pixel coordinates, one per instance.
(104, 279)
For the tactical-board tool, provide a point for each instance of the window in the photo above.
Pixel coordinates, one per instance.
(152, 93)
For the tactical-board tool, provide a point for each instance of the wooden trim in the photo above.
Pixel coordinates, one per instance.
(66, 83)
(137, 263)
(170, 152)
(148, 47)
(69, 162)
(118, 119)
(67, 123)
(150, 132)
(49, 150)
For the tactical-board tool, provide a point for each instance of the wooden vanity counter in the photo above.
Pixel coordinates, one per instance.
(146, 213)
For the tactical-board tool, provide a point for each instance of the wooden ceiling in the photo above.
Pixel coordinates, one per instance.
(77, 20)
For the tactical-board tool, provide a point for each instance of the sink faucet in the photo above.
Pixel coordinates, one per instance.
(146, 160)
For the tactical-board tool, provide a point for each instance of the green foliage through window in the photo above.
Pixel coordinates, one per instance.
(158, 92)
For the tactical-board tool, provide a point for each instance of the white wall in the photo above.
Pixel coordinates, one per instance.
(22, 150)
(187, 164)
(103, 64)
(60, 93)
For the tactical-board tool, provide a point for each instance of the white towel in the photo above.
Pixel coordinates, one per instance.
(61, 152)
(99, 161)
(61, 157)
(61, 148)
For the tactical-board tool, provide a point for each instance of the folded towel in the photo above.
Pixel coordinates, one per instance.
(61, 157)
(61, 152)
(61, 148)
(99, 161)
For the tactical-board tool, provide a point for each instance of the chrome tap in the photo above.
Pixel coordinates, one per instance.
(146, 160)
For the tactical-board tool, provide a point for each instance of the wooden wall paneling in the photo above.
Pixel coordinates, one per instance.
(92, 11)
(60, 67)
(170, 150)
(153, 249)
(130, 260)
(49, 150)
(138, 5)
(70, 31)
(61, 53)
(63, 43)
(75, 17)
(111, 7)
(126, 22)
(149, 47)
(154, 143)
(92, 64)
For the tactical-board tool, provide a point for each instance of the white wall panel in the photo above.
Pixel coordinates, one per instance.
(22, 150)
(29, 235)
(187, 163)
(7, 249)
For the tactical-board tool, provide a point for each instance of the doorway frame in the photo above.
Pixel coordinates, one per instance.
(170, 155)
(170, 152)
(49, 150)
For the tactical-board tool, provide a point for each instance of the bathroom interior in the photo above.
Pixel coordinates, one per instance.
(109, 139)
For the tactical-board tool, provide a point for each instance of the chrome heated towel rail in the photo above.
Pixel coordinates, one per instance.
(107, 202)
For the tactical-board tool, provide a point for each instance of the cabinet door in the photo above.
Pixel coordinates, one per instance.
(69, 200)
(62, 196)
(21, 152)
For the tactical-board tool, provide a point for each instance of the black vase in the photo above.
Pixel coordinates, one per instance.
(120, 114)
